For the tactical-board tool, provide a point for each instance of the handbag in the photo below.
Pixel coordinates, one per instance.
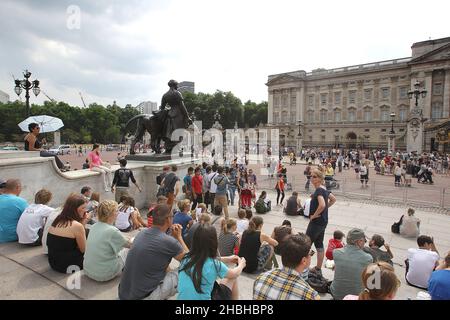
(395, 228)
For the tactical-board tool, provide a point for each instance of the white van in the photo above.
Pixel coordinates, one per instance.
(62, 149)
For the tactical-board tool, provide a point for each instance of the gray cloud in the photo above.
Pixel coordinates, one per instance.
(106, 63)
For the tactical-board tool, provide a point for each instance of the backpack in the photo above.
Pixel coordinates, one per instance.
(159, 179)
(318, 282)
(395, 228)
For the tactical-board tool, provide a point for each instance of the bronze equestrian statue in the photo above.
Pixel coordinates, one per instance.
(172, 115)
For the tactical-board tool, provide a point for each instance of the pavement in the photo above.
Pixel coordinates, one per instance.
(26, 274)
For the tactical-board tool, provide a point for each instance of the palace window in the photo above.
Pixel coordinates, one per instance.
(277, 101)
(310, 100)
(352, 115)
(402, 113)
(403, 92)
(276, 118)
(367, 114)
(323, 99)
(337, 116)
(368, 94)
(384, 114)
(310, 116)
(436, 111)
(385, 92)
(351, 96)
(337, 98)
(323, 116)
(284, 100)
(293, 101)
(437, 88)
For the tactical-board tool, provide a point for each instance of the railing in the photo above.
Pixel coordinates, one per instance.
(425, 196)
(359, 67)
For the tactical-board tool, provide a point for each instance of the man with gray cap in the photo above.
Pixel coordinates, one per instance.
(350, 261)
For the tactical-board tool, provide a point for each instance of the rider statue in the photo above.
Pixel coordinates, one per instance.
(173, 114)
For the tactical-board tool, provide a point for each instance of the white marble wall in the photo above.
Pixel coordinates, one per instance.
(36, 173)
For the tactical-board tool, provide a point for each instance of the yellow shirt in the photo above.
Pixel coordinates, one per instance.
(329, 171)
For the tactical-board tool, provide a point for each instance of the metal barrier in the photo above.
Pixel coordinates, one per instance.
(425, 196)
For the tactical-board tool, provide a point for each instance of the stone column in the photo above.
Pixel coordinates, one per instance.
(446, 105)
(270, 107)
(425, 104)
(300, 103)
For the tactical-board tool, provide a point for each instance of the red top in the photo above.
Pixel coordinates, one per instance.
(197, 183)
(333, 244)
(280, 184)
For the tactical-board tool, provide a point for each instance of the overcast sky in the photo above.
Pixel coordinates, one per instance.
(128, 50)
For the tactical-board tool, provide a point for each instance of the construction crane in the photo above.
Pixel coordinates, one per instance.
(82, 99)
(52, 100)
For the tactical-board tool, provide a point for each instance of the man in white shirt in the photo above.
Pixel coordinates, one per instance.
(212, 185)
(31, 223)
(421, 262)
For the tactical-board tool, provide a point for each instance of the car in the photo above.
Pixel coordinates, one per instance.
(112, 147)
(62, 149)
(10, 148)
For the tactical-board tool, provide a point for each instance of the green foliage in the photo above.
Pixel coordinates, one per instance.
(230, 109)
(81, 125)
(100, 124)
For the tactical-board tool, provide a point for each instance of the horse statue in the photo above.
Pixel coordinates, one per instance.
(153, 124)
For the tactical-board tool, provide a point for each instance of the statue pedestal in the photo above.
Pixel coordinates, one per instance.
(186, 157)
(152, 166)
(415, 131)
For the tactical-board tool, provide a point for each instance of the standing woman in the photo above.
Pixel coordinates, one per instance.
(321, 200)
(245, 194)
(280, 189)
(96, 164)
(66, 239)
(32, 143)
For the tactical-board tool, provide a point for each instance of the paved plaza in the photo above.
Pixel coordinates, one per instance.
(26, 274)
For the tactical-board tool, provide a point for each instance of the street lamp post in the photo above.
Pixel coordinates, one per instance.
(27, 85)
(392, 134)
(299, 136)
(416, 93)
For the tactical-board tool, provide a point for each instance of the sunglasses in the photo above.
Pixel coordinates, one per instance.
(314, 176)
(311, 252)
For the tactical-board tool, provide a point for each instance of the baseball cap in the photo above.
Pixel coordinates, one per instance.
(355, 234)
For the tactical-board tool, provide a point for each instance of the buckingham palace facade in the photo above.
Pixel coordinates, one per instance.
(354, 106)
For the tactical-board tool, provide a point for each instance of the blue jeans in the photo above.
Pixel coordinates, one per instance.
(232, 190)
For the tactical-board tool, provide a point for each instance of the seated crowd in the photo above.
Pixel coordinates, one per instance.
(213, 250)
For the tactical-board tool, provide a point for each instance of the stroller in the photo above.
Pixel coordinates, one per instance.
(332, 184)
(245, 198)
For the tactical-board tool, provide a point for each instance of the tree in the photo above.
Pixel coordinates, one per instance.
(105, 125)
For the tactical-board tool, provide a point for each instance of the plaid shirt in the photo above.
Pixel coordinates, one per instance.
(283, 284)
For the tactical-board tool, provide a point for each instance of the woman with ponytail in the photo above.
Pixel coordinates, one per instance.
(200, 269)
(228, 238)
(256, 247)
(380, 283)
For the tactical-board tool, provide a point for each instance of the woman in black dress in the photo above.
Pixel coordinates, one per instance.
(32, 143)
(66, 240)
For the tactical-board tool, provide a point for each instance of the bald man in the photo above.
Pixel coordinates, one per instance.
(11, 208)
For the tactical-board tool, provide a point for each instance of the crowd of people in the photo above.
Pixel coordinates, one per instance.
(192, 222)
